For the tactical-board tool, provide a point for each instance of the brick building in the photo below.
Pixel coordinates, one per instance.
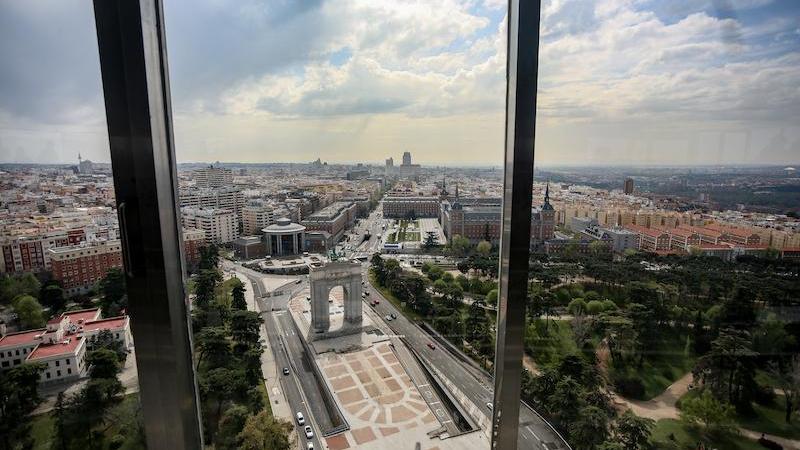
(79, 267)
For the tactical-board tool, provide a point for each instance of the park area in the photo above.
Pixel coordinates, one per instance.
(406, 231)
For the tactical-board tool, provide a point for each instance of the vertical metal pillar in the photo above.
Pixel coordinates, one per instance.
(522, 67)
(133, 62)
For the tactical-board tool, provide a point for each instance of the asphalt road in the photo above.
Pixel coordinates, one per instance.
(291, 388)
(533, 431)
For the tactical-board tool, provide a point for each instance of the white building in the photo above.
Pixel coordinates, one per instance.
(63, 344)
(219, 225)
(223, 198)
(213, 177)
(255, 218)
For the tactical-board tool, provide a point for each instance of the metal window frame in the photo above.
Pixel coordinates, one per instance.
(522, 66)
(133, 62)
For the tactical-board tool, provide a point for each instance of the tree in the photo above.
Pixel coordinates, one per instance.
(788, 381)
(230, 425)
(565, 400)
(245, 329)
(29, 312)
(19, 396)
(14, 286)
(105, 339)
(52, 296)
(729, 368)
(238, 302)
(212, 343)
(590, 428)
(205, 287)
(115, 296)
(209, 257)
(707, 411)
(491, 297)
(459, 245)
(632, 431)
(484, 248)
(431, 240)
(103, 363)
(265, 432)
(576, 306)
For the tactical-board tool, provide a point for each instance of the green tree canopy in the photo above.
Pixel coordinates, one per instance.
(29, 312)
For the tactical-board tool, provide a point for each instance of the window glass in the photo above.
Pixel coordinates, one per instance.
(57, 214)
(344, 161)
(664, 307)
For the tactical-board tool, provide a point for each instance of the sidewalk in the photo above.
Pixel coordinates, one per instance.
(269, 370)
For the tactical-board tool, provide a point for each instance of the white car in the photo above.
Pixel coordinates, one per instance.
(310, 446)
(388, 318)
(300, 419)
(309, 433)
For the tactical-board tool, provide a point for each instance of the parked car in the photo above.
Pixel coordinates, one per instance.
(431, 346)
(393, 316)
(310, 445)
(300, 419)
(490, 406)
(388, 318)
(286, 371)
(309, 432)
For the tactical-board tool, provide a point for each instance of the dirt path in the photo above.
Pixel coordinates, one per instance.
(663, 407)
(660, 407)
(530, 364)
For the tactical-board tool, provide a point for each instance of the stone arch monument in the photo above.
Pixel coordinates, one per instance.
(338, 273)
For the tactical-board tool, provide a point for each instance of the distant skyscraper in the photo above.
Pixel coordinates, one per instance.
(628, 186)
(407, 158)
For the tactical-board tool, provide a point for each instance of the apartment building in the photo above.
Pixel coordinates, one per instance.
(219, 225)
(333, 219)
(28, 252)
(78, 268)
(213, 177)
(221, 198)
(256, 218)
(651, 240)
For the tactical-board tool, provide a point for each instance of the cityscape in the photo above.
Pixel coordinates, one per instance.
(361, 299)
(272, 225)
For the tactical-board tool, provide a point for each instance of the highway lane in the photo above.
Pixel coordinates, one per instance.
(291, 388)
(534, 432)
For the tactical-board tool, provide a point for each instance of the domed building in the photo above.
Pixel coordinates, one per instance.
(284, 238)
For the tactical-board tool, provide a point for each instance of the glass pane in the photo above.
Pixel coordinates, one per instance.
(343, 160)
(664, 308)
(68, 372)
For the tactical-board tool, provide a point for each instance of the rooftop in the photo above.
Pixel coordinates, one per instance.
(22, 337)
(65, 347)
(106, 324)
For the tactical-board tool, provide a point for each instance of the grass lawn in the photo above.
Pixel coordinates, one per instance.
(686, 438)
(121, 416)
(671, 360)
(265, 395)
(769, 419)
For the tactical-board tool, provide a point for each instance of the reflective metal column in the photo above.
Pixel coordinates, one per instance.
(133, 61)
(522, 67)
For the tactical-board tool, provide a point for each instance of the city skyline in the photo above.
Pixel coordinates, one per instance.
(620, 82)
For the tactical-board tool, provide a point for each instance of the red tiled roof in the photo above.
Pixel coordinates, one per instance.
(702, 231)
(106, 324)
(21, 338)
(65, 347)
(648, 231)
(83, 315)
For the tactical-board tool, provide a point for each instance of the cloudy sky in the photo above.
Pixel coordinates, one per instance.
(621, 81)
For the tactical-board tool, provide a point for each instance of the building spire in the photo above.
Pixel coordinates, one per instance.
(547, 192)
